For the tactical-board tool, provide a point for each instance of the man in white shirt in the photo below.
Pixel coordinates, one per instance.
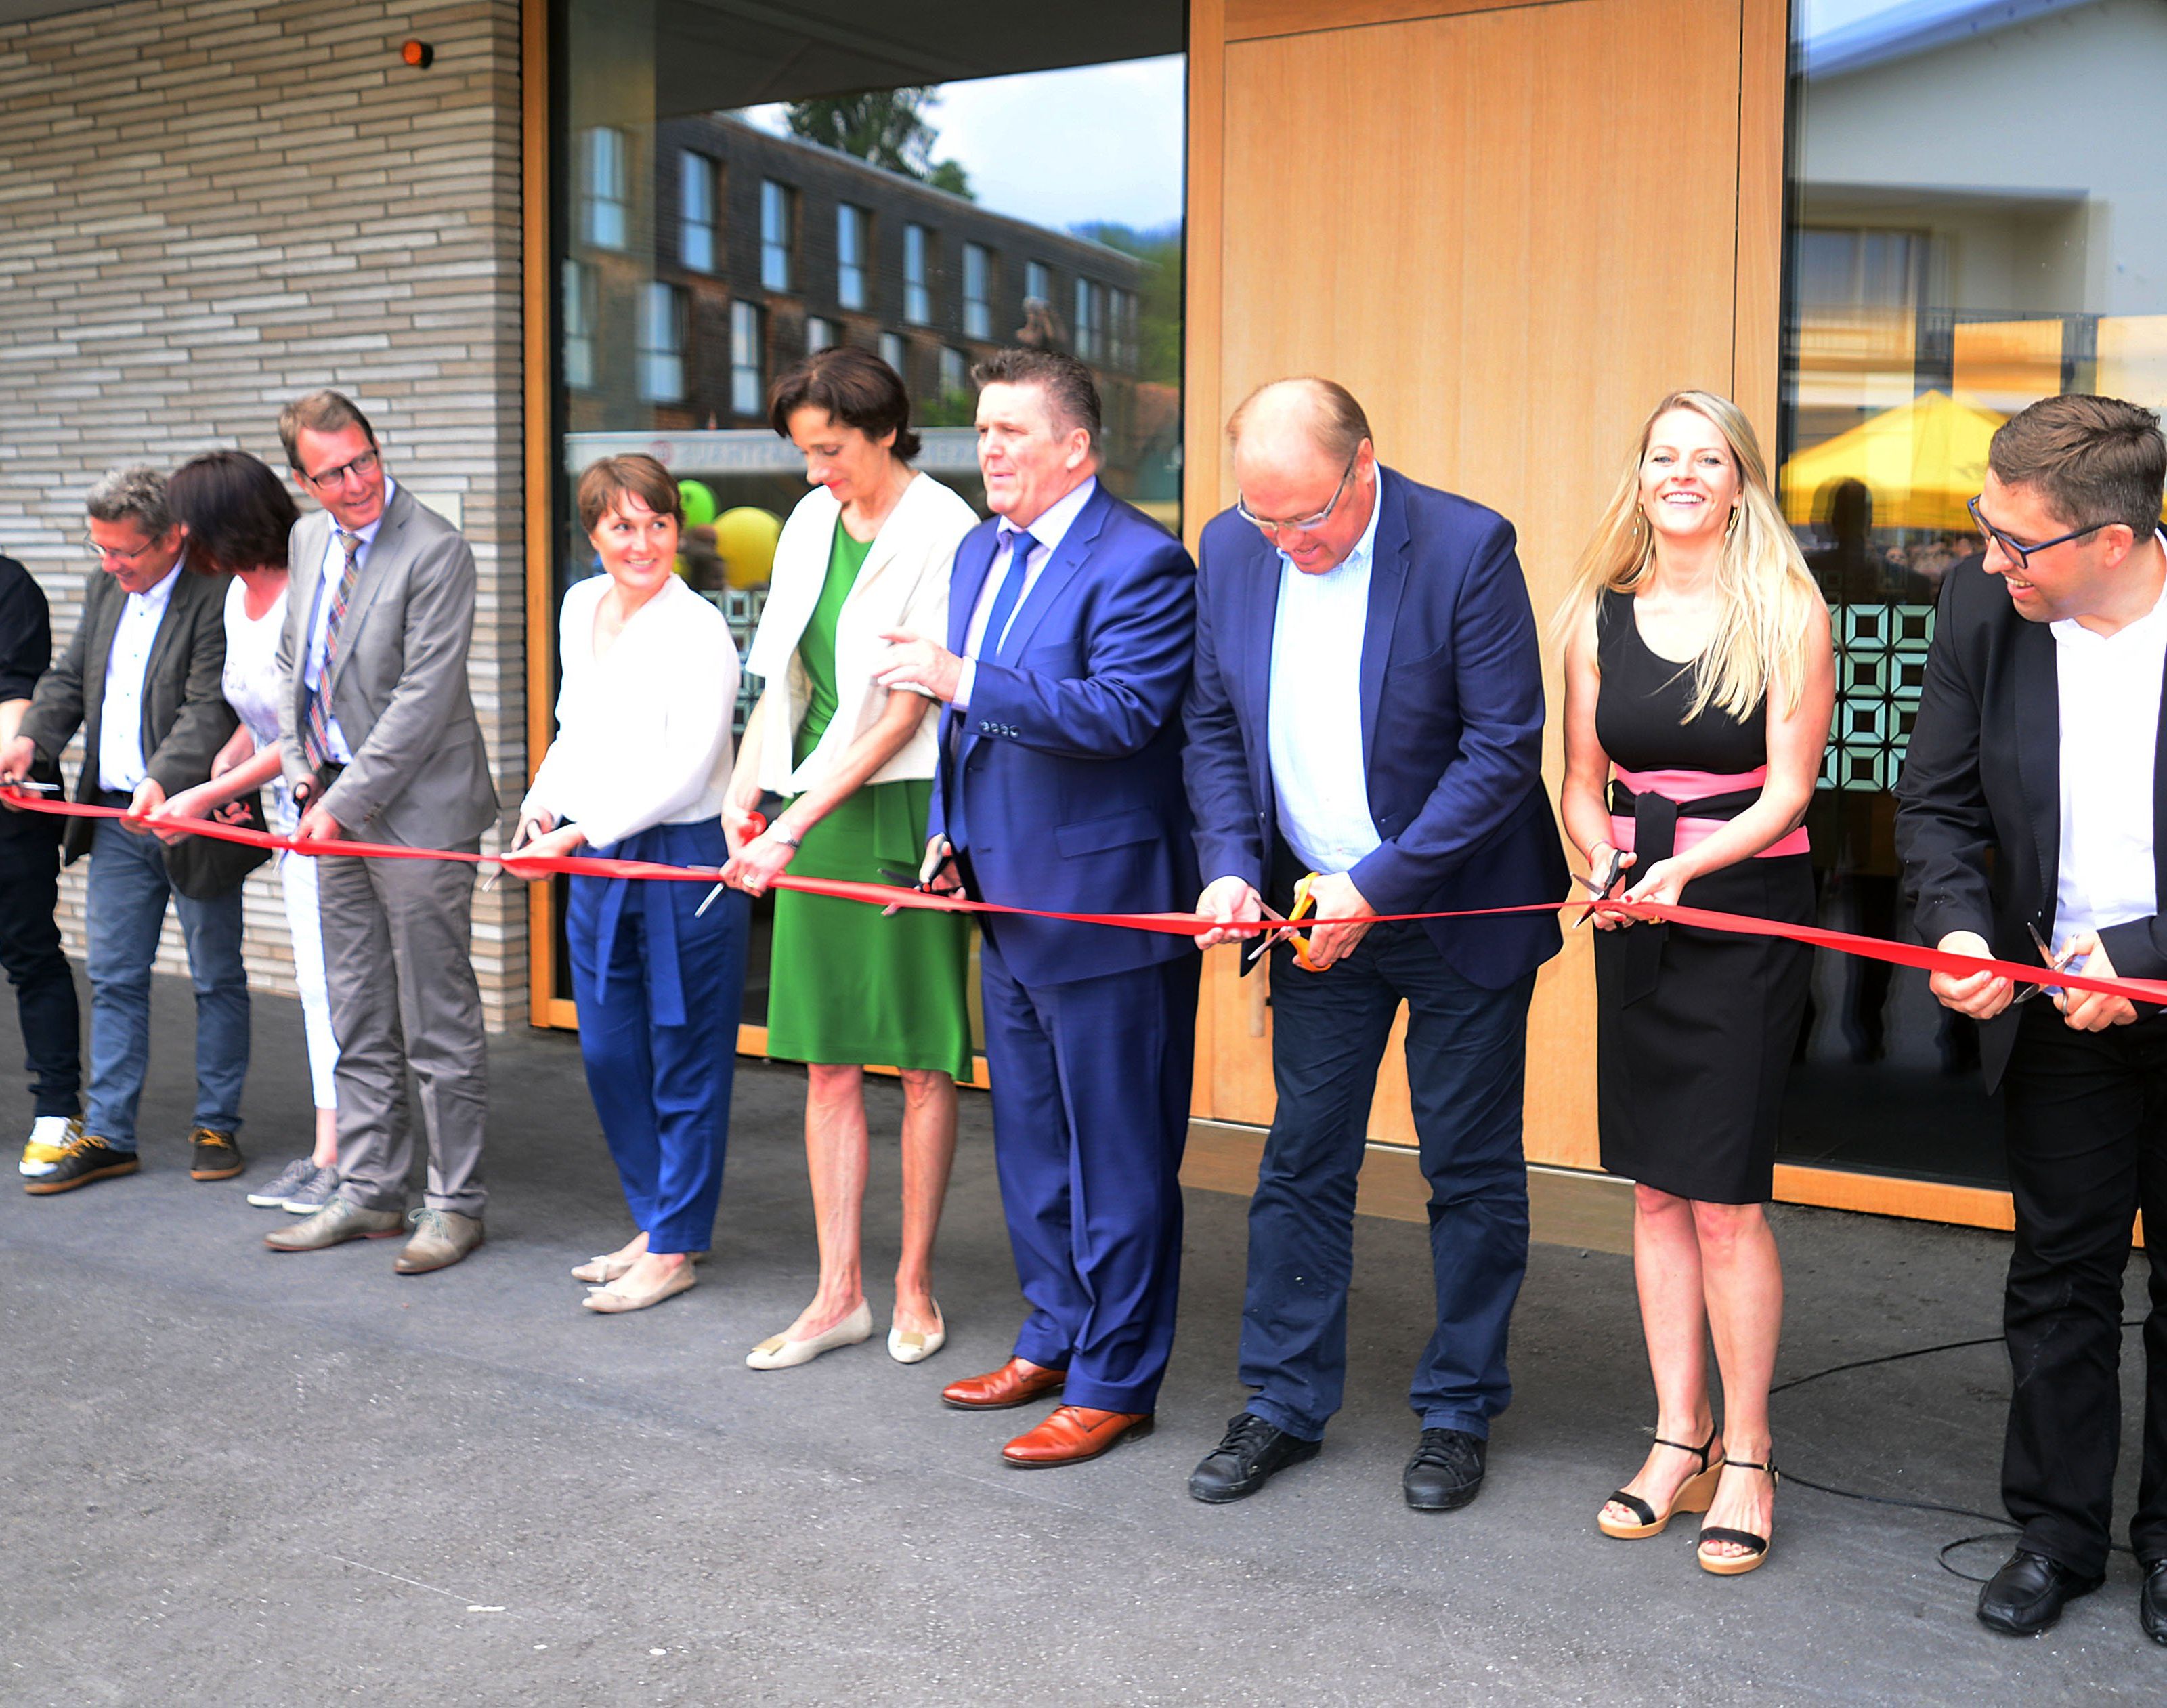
(140, 679)
(1367, 710)
(2032, 796)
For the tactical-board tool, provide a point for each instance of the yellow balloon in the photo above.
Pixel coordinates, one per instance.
(744, 540)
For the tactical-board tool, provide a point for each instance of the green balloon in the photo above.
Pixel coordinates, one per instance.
(698, 501)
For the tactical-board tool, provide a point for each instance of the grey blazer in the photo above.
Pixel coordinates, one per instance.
(420, 775)
(186, 719)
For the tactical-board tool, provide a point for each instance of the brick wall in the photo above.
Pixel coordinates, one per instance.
(207, 208)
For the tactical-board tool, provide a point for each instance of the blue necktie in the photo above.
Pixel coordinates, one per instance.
(1005, 600)
(990, 646)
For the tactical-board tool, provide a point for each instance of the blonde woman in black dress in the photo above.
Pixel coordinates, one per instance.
(1699, 682)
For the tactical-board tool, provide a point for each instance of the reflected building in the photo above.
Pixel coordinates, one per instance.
(1949, 263)
(707, 256)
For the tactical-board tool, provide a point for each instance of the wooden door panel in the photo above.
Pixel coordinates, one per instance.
(1508, 232)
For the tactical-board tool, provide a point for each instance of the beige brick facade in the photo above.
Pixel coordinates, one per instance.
(207, 208)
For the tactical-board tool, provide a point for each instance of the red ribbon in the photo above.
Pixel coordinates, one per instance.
(1185, 925)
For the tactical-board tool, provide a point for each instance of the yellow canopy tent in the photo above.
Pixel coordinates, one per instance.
(1922, 461)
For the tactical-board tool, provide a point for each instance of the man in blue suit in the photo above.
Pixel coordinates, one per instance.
(1367, 707)
(1072, 617)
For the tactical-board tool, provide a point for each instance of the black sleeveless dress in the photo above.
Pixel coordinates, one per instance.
(1694, 1029)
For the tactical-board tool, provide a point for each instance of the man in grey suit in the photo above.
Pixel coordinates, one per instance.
(141, 680)
(381, 745)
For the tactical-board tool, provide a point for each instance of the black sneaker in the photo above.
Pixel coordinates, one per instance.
(88, 1159)
(214, 1155)
(1252, 1452)
(1446, 1471)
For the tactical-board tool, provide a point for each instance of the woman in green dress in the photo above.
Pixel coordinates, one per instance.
(869, 549)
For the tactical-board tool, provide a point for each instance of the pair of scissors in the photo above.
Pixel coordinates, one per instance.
(1610, 874)
(2055, 963)
(755, 826)
(1304, 903)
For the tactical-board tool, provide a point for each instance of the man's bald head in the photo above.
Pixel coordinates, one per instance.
(1301, 449)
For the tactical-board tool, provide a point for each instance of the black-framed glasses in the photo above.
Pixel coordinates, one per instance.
(2016, 551)
(361, 467)
(1310, 524)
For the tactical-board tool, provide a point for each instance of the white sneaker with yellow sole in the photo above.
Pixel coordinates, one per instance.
(51, 1135)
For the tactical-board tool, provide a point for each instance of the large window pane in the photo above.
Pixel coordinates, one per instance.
(1953, 256)
(777, 214)
(857, 198)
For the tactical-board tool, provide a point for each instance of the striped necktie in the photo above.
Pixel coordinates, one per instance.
(316, 738)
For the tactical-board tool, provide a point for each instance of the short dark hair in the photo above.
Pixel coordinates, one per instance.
(2094, 460)
(1071, 396)
(319, 412)
(239, 513)
(610, 478)
(855, 387)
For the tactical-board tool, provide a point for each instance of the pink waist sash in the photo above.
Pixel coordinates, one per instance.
(1687, 787)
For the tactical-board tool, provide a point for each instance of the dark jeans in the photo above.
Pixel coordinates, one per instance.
(125, 905)
(1467, 1056)
(2087, 1150)
(44, 988)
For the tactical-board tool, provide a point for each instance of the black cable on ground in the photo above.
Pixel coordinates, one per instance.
(1948, 1548)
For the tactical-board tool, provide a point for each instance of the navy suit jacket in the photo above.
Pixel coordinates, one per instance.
(1070, 755)
(1451, 687)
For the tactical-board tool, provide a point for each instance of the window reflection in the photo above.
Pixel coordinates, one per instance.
(1947, 267)
(741, 194)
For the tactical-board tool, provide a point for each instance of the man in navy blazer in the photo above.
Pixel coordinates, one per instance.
(1071, 623)
(1367, 707)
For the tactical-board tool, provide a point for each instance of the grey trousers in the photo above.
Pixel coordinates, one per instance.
(403, 994)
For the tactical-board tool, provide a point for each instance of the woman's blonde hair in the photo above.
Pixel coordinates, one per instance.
(1759, 648)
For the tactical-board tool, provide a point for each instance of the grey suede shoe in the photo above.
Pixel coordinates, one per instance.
(440, 1238)
(336, 1222)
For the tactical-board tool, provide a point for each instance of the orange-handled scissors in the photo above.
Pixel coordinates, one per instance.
(1304, 903)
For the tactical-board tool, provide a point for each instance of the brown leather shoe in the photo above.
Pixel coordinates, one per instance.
(1072, 1435)
(1016, 1383)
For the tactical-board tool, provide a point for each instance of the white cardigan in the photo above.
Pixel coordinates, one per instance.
(643, 731)
(904, 586)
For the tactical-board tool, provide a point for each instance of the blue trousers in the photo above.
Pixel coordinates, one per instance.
(125, 902)
(1467, 1055)
(1091, 1089)
(659, 988)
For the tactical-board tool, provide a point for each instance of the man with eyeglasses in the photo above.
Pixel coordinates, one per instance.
(381, 745)
(141, 680)
(1365, 737)
(2029, 814)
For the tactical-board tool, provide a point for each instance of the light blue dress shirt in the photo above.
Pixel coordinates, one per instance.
(332, 567)
(1314, 727)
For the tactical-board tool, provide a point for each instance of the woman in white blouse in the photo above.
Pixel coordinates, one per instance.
(868, 550)
(636, 772)
(239, 515)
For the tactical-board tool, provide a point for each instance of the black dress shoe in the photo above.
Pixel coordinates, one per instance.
(1446, 1471)
(2027, 1595)
(1252, 1452)
(2152, 1601)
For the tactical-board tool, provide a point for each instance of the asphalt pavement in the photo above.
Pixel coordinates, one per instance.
(242, 1478)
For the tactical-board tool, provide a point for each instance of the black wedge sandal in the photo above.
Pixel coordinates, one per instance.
(1693, 1495)
(1731, 1565)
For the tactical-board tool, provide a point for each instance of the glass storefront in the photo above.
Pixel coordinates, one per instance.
(737, 186)
(1954, 251)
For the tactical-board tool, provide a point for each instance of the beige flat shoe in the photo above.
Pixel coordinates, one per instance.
(600, 1271)
(613, 1299)
(907, 1346)
(779, 1352)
